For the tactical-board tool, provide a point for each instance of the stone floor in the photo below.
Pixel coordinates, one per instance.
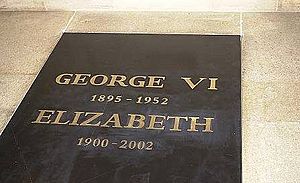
(270, 71)
(153, 5)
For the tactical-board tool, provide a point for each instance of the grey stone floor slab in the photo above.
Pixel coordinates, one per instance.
(271, 101)
(271, 47)
(271, 66)
(270, 97)
(289, 5)
(156, 22)
(5, 116)
(270, 69)
(153, 5)
(13, 88)
(271, 152)
(27, 39)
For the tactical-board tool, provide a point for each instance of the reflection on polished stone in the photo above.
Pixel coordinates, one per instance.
(125, 108)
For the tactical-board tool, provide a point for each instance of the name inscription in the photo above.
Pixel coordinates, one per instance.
(134, 121)
(124, 81)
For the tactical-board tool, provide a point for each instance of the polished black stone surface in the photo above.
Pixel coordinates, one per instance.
(33, 152)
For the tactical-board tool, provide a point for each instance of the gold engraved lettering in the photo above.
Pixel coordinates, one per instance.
(42, 115)
(190, 83)
(133, 119)
(63, 80)
(58, 117)
(154, 122)
(88, 121)
(194, 123)
(115, 119)
(155, 82)
(103, 81)
(117, 79)
(213, 83)
(80, 79)
(176, 126)
(76, 118)
(141, 83)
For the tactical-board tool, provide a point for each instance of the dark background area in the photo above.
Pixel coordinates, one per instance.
(48, 153)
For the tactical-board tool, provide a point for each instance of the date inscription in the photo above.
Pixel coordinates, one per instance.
(121, 144)
(138, 100)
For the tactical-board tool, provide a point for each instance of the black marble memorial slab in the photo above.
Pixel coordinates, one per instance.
(130, 108)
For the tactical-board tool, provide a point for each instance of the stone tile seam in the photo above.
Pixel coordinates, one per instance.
(241, 25)
(69, 22)
(277, 10)
(274, 123)
(45, 6)
(18, 74)
(182, 11)
(152, 33)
